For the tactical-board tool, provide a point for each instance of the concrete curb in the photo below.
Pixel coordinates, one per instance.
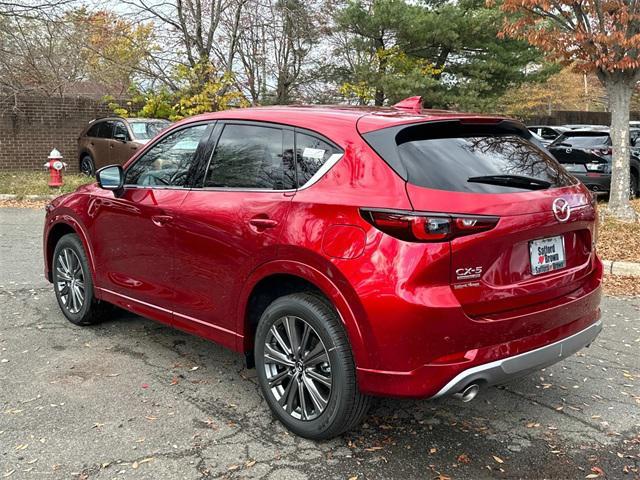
(8, 196)
(617, 267)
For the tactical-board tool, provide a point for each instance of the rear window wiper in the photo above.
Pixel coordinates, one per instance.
(516, 181)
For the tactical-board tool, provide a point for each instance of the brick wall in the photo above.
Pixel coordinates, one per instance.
(30, 127)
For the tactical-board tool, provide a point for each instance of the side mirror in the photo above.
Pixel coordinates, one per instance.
(121, 137)
(111, 177)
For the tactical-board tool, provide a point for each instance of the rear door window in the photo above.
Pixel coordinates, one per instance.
(93, 131)
(105, 129)
(251, 157)
(101, 129)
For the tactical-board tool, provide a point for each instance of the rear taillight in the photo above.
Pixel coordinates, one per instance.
(600, 151)
(427, 227)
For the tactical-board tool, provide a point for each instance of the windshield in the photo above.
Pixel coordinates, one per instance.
(583, 141)
(147, 130)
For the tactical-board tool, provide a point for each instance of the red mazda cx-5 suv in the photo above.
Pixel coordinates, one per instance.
(347, 252)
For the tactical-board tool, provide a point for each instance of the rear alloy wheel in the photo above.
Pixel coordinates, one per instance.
(87, 166)
(297, 368)
(73, 284)
(305, 367)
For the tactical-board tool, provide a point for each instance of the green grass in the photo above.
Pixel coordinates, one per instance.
(35, 183)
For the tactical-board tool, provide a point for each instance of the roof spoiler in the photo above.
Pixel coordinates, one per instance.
(411, 104)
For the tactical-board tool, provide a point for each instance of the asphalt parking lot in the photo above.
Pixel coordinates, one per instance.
(131, 398)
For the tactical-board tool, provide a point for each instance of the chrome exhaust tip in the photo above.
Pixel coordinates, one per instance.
(469, 393)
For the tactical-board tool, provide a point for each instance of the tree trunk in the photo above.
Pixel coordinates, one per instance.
(619, 90)
(378, 99)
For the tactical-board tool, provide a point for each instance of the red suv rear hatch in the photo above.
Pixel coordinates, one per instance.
(532, 255)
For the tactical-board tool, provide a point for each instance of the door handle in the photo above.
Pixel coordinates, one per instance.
(263, 222)
(161, 220)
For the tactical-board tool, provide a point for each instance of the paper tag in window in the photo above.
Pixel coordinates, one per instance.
(315, 153)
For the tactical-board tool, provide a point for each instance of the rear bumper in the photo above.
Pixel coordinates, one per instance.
(599, 182)
(507, 369)
(435, 375)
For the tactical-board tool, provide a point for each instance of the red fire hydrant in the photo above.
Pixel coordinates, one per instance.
(55, 166)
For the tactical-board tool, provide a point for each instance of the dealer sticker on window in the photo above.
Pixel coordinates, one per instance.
(547, 254)
(315, 153)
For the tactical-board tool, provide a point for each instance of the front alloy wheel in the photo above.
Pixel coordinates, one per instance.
(70, 280)
(297, 368)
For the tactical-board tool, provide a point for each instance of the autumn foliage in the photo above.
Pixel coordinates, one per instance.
(597, 35)
(600, 36)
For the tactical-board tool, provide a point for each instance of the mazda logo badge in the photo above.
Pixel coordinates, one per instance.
(568, 150)
(561, 209)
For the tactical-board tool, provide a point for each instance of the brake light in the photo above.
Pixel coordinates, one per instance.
(600, 151)
(427, 227)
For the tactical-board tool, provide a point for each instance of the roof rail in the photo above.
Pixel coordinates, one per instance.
(106, 116)
(411, 104)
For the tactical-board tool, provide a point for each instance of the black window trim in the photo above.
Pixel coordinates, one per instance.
(202, 146)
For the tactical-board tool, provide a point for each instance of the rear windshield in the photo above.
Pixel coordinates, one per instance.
(447, 158)
(582, 141)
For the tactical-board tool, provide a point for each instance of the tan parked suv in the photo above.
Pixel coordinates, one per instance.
(110, 140)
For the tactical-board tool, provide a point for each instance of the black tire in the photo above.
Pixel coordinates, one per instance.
(87, 165)
(633, 186)
(345, 405)
(89, 310)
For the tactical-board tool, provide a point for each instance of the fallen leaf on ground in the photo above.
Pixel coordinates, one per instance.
(372, 449)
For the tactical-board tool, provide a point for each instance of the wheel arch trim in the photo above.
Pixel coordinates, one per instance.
(78, 228)
(322, 282)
